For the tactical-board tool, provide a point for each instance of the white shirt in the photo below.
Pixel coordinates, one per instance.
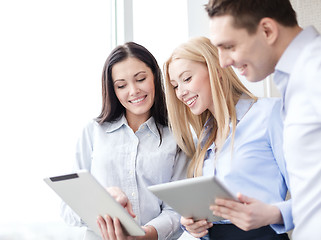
(116, 156)
(256, 167)
(298, 77)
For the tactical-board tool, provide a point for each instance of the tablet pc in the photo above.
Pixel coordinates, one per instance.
(86, 197)
(192, 197)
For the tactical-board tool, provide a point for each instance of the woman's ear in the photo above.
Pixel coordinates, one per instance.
(269, 29)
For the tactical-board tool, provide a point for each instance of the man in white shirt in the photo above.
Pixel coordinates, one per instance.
(261, 37)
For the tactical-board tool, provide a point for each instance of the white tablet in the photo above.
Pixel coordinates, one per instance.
(88, 199)
(192, 197)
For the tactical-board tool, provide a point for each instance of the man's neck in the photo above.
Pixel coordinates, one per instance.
(286, 36)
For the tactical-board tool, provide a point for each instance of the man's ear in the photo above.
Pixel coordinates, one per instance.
(269, 29)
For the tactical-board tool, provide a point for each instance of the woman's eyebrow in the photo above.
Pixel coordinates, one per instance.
(139, 73)
(119, 80)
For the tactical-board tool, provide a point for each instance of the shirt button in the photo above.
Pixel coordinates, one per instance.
(133, 194)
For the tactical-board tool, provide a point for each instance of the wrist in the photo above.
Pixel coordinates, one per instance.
(275, 215)
(150, 233)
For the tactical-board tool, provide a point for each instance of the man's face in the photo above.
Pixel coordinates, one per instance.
(251, 55)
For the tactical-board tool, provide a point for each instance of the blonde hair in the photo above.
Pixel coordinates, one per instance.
(226, 90)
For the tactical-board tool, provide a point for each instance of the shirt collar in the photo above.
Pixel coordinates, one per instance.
(115, 125)
(122, 121)
(150, 123)
(291, 53)
(243, 106)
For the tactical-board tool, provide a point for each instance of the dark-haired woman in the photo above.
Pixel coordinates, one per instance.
(129, 145)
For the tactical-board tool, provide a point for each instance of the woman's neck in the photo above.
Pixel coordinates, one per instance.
(134, 121)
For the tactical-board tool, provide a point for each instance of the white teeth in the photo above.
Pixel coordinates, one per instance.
(241, 68)
(191, 100)
(138, 100)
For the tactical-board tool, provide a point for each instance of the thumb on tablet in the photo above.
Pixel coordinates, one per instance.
(244, 199)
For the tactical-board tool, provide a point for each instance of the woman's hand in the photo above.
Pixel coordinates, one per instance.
(247, 214)
(196, 228)
(121, 198)
(111, 229)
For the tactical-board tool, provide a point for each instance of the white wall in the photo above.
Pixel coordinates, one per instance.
(51, 59)
(198, 20)
(160, 26)
(308, 12)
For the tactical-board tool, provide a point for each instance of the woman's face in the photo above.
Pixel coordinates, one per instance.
(191, 83)
(134, 87)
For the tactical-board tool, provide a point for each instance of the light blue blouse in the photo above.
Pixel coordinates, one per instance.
(256, 167)
(116, 156)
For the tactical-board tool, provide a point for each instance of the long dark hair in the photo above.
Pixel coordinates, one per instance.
(112, 109)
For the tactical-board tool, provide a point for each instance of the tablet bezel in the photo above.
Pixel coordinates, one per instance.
(89, 199)
(192, 197)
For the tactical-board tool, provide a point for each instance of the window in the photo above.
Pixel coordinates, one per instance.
(52, 55)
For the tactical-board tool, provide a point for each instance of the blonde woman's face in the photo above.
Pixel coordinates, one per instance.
(191, 84)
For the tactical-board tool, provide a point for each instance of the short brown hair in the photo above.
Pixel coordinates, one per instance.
(248, 13)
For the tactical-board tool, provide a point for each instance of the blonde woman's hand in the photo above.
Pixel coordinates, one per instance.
(196, 228)
(247, 214)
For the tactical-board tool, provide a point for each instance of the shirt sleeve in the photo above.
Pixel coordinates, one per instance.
(82, 161)
(286, 212)
(167, 223)
(313, 80)
(276, 141)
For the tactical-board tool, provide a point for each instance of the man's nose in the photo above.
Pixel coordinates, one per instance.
(225, 59)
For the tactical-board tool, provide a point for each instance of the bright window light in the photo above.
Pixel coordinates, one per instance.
(160, 26)
(52, 55)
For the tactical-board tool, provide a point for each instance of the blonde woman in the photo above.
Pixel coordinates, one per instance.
(239, 140)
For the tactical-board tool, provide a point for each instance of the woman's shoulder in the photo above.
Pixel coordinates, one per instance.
(269, 100)
(273, 103)
(269, 109)
(94, 125)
